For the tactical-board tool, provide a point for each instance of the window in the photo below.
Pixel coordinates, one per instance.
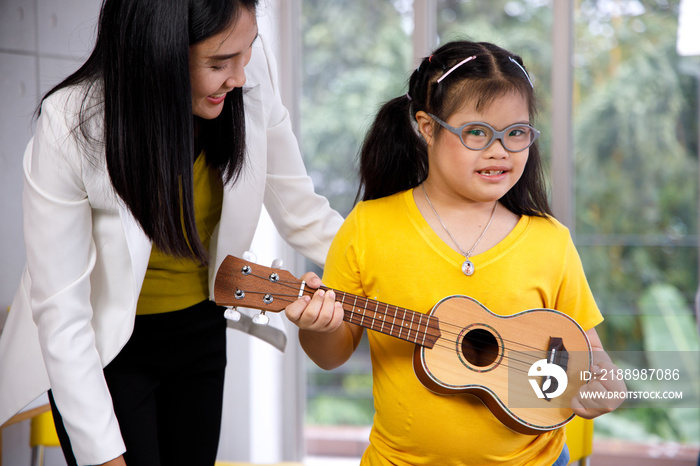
(630, 199)
(636, 193)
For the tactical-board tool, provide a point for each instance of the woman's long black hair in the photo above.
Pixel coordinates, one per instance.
(394, 157)
(140, 65)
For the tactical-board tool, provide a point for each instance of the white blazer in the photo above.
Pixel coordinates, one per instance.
(87, 256)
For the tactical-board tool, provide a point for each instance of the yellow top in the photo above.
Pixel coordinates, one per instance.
(386, 251)
(175, 283)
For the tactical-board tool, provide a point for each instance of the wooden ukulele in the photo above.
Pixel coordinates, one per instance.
(525, 367)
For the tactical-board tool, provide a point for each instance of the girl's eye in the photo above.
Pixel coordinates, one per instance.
(217, 67)
(519, 132)
(475, 132)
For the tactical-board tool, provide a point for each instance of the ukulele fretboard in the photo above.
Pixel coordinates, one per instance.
(418, 328)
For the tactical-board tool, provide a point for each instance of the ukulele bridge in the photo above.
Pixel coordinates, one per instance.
(556, 354)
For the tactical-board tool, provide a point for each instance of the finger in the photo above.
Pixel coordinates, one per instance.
(578, 408)
(294, 310)
(590, 407)
(310, 314)
(338, 315)
(328, 315)
(312, 280)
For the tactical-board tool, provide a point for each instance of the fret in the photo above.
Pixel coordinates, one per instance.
(403, 324)
(364, 313)
(352, 311)
(375, 315)
(425, 332)
(399, 325)
(384, 319)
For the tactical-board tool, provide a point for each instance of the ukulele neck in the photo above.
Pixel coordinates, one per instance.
(415, 327)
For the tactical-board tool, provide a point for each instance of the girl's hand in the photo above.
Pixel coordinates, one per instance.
(599, 395)
(320, 313)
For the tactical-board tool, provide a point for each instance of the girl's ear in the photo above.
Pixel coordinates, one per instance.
(425, 126)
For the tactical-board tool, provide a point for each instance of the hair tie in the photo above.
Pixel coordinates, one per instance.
(455, 67)
(523, 69)
(408, 96)
(430, 59)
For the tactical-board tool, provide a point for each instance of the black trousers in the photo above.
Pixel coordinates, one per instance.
(167, 388)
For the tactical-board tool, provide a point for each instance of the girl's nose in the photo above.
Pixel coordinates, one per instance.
(497, 150)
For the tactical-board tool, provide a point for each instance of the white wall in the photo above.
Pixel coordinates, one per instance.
(42, 41)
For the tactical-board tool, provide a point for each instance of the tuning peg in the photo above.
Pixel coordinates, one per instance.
(261, 319)
(232, 314)
(250, 257)
(277, 263)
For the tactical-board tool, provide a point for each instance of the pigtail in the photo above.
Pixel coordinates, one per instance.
(393, 157)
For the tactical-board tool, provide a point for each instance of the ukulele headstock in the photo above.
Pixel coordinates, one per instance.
(243, 283)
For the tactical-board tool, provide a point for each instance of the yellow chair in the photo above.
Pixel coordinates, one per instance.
(42, 431)
(579, 439)
(42, 435)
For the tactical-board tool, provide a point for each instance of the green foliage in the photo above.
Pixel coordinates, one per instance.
(636, 191)
(670, 330)
(669, 339)
(326, 410)
(356, 55)
(668, 323)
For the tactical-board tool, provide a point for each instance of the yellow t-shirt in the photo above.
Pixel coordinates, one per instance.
(386, 251)
(175, 283)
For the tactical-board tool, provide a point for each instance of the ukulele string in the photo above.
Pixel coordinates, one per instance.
(420, 334)
(443, 325)
(448, 345)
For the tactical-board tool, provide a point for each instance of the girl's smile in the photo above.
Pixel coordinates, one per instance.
(493, 174)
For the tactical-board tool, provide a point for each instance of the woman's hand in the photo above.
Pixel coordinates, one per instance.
(119, 461)
(320, 313)
(600, 395)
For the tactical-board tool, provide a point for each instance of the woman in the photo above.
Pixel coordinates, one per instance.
(148, 166)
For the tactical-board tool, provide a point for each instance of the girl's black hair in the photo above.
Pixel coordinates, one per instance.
(140, 69)
(394, 157)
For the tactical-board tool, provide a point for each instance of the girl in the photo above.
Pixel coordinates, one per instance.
(453, 204)
(148, 166)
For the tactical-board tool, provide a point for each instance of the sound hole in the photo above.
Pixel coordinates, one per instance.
(480, 347)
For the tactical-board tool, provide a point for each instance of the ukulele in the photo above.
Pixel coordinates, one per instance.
(525, 367)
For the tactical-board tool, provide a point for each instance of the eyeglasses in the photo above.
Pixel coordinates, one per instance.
(479, 136)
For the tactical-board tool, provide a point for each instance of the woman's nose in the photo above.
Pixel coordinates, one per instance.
(237, 77)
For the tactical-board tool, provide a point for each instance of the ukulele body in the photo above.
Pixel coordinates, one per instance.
(491, 356)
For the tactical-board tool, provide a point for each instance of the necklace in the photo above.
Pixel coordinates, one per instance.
(467, 265)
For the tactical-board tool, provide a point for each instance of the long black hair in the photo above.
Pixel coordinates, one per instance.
(139, 69)
(394, 157)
